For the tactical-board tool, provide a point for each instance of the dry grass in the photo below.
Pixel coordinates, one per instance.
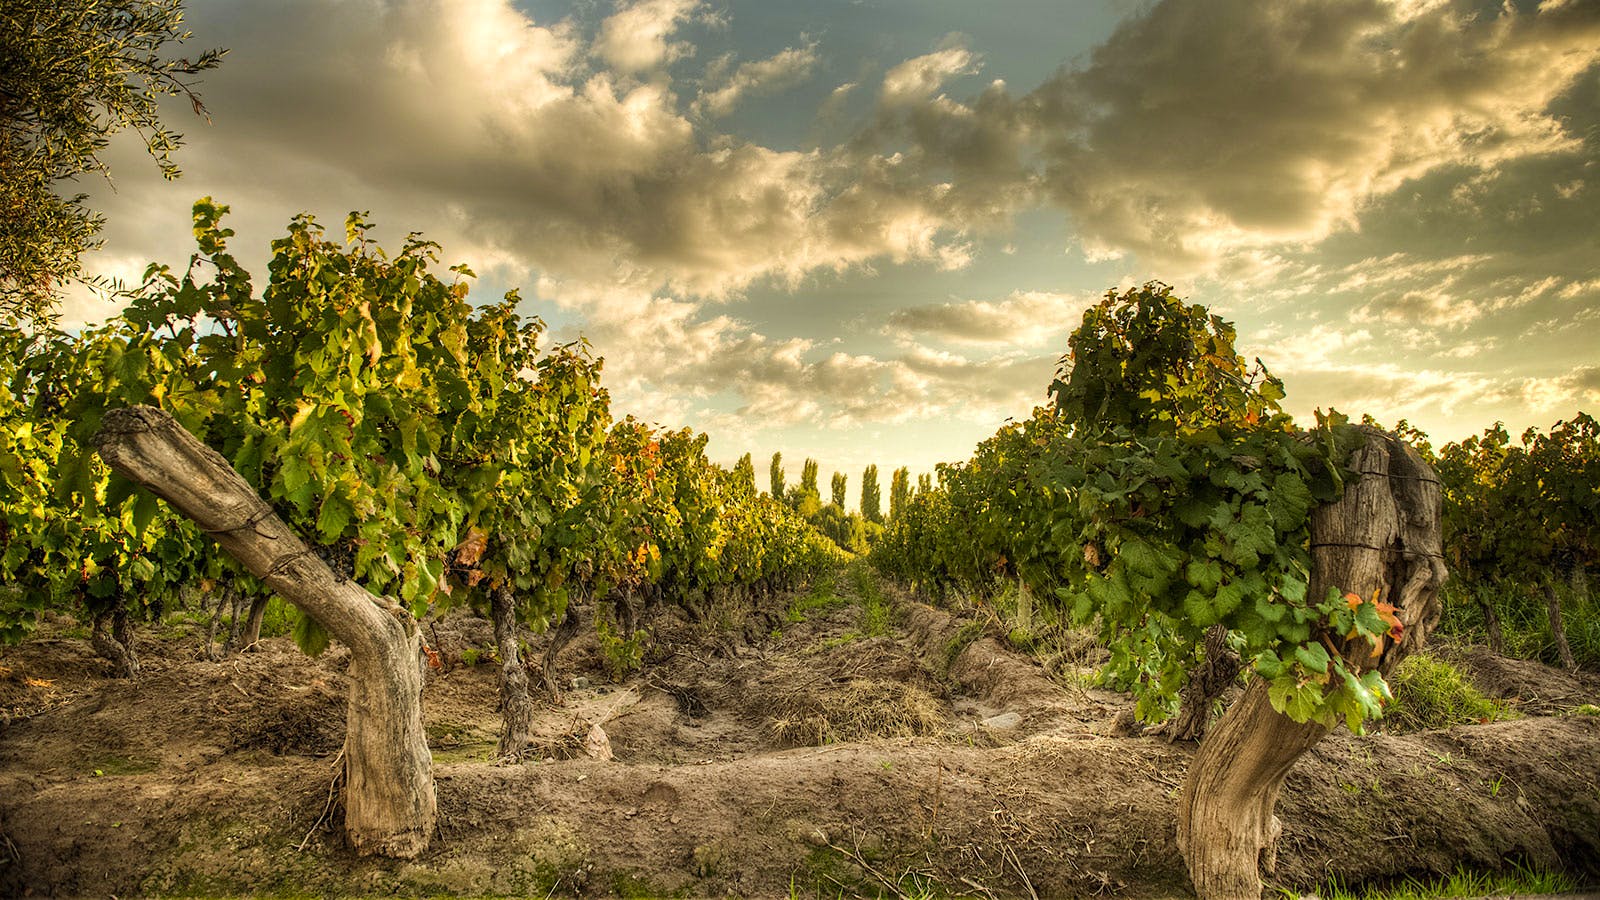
(858, 710)
(568, 743)
(22, 696)
(858, 691)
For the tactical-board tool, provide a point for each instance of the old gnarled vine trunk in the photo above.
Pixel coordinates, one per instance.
(1218, 670)
(112, 638)
(389, 799)
(516, 706)
(1382, 536)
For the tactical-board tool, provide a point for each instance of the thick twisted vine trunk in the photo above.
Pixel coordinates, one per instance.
(388, 794)
(571, 625)
(1208, 681)
(112, 638)
(250, 637)
(516, 707)
(1382, 536)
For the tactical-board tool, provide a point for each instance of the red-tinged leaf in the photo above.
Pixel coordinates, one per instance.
(470, 551)
(1389, 613)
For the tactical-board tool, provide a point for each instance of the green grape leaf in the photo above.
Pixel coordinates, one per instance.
(309, 635)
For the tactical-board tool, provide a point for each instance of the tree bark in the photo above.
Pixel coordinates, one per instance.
(1024, 608)
(1491, 621)
(1558, 628)
(213, 652)
(251, 636)
(627, 611)
(1226, 826)
(516, 707)
(112, 637)
(1216, 673)
(388, 792)
(571, 623)
(1382, 536)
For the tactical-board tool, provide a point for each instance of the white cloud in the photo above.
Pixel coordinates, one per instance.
(635, 38)
(917, 79)
(676, 360)
(514, 140)
(1321, 347)
(1390, 392)
(1022, 319)
(776, 73)
(1580, 388)
(1402, 183)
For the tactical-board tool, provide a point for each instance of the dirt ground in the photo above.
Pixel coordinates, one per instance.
(777, 758)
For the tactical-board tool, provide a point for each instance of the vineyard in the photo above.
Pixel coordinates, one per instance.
(338, 583)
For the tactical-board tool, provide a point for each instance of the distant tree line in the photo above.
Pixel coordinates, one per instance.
(854, 531)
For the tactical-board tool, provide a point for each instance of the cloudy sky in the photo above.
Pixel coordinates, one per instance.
(860, 230)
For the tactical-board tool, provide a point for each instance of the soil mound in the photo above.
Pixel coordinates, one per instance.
(1530, 686)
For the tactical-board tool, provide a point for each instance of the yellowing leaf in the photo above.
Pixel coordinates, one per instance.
(302, 411)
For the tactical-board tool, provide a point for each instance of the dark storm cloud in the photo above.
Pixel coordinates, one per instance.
(1202, 128)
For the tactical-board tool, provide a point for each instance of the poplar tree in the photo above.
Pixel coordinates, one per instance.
(871, 496)
(744, 472)
(899, 492)
(838, 489)
(776, 475)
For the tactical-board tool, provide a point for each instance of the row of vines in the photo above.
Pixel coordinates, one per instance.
(359, 439)
(1522, 526)
(1165, 478)
(1164, 493)
(432, 452)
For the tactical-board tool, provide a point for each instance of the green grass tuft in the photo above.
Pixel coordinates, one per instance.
(962, 640)
(875, 611)
(820, 598)
(1524, 619)
(1461, 883)
(1431, 693)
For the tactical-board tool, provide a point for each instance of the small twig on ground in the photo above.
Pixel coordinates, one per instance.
(1008, 850)
(1008, 853)
(842, 886)
(624, 698)
(1171, 783)
(938, 784)
(8, 850)
(978, 886)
